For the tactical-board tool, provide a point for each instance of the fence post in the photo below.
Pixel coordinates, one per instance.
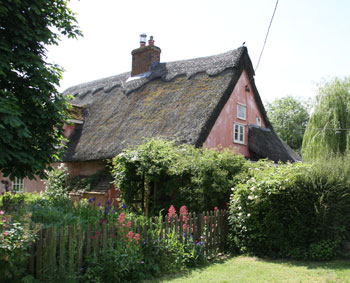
(80, 246)
(71, 248)
(39, 254)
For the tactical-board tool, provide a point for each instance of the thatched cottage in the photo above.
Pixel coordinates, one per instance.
(208, 102)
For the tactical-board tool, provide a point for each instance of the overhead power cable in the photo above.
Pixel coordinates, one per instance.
(267, 34)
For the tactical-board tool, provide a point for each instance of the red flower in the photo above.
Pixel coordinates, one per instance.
(137, 237)
(130, 235)
(171, 213)
(216, 208)
(129, 224)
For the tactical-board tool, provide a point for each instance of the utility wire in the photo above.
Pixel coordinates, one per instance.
(267, 34)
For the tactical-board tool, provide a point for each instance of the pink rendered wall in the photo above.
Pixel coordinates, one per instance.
(30, 186)
(85, 168)
(221, 134)
(68, 129)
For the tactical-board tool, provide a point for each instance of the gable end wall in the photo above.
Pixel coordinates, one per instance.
(221, 135)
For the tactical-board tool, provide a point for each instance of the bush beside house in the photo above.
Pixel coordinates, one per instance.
(299, 211)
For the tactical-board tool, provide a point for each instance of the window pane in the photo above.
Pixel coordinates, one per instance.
(236, 132)
(241, 111)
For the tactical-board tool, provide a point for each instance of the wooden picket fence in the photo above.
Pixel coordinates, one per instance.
(65, 249)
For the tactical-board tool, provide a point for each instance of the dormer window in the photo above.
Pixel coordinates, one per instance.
(241, 111)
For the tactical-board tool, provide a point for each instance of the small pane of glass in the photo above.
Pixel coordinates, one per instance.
(241, 111)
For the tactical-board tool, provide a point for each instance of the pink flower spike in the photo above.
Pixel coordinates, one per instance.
(130, 235)
(137, 237)
(2, 212)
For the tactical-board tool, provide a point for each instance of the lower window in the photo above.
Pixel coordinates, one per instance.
(18, 185)
(239, 133)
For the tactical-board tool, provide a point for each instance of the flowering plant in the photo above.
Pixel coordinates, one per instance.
(15, 239)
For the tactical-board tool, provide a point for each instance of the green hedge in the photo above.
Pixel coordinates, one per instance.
(292, 210)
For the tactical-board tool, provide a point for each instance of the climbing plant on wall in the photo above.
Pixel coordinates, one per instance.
(158, 173)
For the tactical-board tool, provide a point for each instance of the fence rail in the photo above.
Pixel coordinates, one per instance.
(66, 248)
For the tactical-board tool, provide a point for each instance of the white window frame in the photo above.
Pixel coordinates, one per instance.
(240, 134)
(258, 121)
(18, 185)
(241, 106)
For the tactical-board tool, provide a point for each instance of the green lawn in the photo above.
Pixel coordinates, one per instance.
(250, 269)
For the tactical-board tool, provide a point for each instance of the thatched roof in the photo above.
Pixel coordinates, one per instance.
(178, 100)
(264, 143)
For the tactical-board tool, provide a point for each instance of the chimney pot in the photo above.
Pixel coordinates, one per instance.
(143, 38)
(145, 56)
(151, 41)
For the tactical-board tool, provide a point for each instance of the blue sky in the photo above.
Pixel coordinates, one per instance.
(308, 40)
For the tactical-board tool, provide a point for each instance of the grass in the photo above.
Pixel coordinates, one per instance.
(251, 269)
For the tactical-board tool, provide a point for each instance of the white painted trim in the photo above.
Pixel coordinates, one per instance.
(234, 139)
(245, 112)
(75, 121)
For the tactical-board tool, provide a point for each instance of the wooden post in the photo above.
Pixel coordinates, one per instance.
(80, 246)
(61, 249)
(88, 240)
(54, 247)
(39, 254)
(71, 248)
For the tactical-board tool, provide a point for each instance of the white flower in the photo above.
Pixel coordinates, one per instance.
(252, 189)
(232, 189)
(248, 214)
(250, 197)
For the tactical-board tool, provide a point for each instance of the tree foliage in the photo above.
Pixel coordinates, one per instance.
(32, 111)
(163, 174)
(289, 117)
(328, 131)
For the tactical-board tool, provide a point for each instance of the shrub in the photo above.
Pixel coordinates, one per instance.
(15, 239)
(292, 210)
(165, 174)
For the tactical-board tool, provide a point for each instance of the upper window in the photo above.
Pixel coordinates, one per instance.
(241, 111)
(258, 121)
(239, 133)
(18, 185)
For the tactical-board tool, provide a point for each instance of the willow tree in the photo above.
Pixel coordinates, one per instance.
(328, 131)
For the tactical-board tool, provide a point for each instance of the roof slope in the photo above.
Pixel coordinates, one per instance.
(264, 143)
(178, 100)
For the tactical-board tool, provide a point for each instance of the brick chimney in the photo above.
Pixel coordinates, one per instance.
(144, 56)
